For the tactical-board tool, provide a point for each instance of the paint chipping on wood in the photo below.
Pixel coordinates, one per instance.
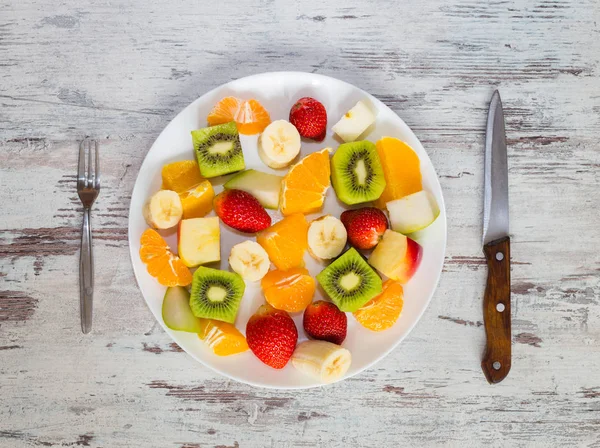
(120, 71)
(16, 306)
(235, 445)
(462, 321)
(202, 393)
(528, 338)
(157, 350)
(591, 392)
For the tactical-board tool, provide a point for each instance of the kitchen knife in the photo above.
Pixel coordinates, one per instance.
(496, 246)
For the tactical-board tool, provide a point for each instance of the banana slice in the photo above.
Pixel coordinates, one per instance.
(163, 210)
(279, 144)
(326, 237)
(249, 260)
(322, 360)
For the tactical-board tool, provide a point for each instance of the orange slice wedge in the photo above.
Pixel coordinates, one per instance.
(304, 187)
(401, 169)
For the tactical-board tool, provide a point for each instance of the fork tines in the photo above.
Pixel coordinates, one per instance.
(88, 175)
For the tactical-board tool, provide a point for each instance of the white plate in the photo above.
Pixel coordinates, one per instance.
(277, 92)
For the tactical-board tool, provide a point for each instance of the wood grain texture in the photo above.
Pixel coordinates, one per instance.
(119, 71)
(496, 360)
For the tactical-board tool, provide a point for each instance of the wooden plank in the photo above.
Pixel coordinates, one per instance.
(120, 71)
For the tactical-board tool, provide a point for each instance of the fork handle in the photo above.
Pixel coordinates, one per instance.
(86, 274)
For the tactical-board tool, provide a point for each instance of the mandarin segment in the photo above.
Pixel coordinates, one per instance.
(224, 111)
(252, 118)
(304, 187)
(290, 290)
(161, 263)
(223, 338)
(382, 311)
(401, 169)
(286, 241)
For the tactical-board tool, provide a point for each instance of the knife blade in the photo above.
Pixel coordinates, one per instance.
(496, 362)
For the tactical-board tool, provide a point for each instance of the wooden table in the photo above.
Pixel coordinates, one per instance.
(119, 72)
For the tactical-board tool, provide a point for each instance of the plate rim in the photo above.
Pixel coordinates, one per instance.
(384, 354)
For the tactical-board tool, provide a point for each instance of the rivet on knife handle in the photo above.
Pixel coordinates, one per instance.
(496, 311)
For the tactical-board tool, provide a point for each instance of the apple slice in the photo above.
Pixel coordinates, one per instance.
(263, 186)
(176, 311)
(413, 212)
(396, 256)
(199, 241)
(354, 122)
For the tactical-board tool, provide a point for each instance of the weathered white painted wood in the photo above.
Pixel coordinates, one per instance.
(119, 71)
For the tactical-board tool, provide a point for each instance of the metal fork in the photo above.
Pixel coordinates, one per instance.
(88, 187)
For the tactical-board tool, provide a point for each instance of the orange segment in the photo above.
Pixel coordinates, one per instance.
(161, 263)
(198, 200)
(181, 176)
(401, 169)
(223, 338)
(224, 111)
(252, 118)
(381, 312)
(304, 186)
(290, 290)
(286, 241)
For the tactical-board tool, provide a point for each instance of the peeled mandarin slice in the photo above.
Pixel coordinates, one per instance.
(224, 111)
(223, 338)
(290, 290)
(304, 187)
(252, 118)
(381, 312)
(286, 241)
(198, 200)
(401, 169)
(161, 263)
(181, 176)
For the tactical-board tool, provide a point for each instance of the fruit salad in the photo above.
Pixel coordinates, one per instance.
(366, 254)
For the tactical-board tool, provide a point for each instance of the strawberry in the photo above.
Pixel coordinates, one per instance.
(272, 335)
(310, 118)
(242, 211)
(323, 320)
(365, 226)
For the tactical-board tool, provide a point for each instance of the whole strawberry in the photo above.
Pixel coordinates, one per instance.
(324, 321)
(242, 211)
(272, 335)
(365, 226)
(310, 118)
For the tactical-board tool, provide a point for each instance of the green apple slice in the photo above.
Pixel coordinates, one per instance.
(263, 186)
(176, 311)
(413, 212)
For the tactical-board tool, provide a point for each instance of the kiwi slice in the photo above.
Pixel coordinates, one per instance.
(356, 173)
(349, 281)
(216, 294)
(218, 150)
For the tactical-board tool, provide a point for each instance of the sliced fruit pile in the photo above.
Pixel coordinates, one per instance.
(374, 178)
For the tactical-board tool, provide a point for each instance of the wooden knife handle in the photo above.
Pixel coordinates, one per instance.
(496, 311)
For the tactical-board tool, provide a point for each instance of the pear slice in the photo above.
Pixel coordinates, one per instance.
(176, 311)
(413, 212)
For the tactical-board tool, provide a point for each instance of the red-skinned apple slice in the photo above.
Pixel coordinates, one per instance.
(396, 256)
